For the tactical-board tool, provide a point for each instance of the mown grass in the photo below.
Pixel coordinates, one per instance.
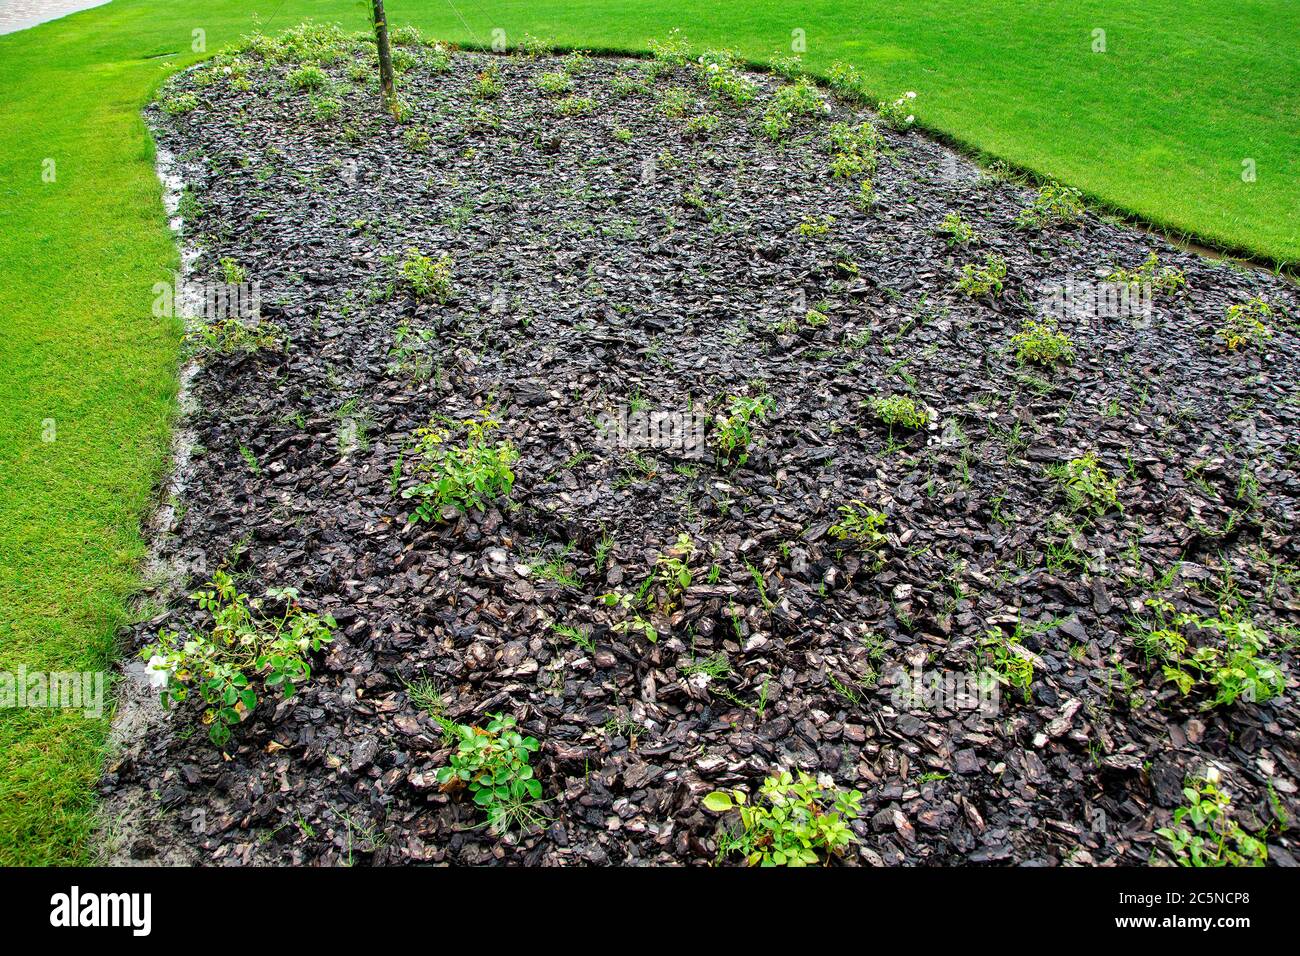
(1158, 125)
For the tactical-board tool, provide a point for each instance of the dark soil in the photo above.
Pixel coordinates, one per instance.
(587, 277)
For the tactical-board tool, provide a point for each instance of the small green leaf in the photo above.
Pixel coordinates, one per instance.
(718, 801)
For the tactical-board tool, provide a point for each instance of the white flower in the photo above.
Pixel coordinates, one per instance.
(713, 68)
(157, 672)
(826, 107)
(227, 71)
(911, 118)
(1212, 774)
(910, 95)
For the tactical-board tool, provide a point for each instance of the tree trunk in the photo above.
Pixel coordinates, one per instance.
(385, 53)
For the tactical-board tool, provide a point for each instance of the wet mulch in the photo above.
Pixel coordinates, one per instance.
(592, 274)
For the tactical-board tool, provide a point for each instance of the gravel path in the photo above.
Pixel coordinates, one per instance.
(18, 15)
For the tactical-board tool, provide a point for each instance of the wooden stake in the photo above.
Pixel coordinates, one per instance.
(385, 55)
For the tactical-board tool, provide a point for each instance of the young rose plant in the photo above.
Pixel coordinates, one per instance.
(1204, 834)
(468, 474)
(243, 644)
(898, 113)
(493, 762)
(798, 823)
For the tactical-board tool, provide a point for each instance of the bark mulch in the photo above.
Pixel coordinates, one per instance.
(667, 272)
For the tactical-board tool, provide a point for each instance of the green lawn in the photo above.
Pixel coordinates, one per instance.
(1158, 125)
